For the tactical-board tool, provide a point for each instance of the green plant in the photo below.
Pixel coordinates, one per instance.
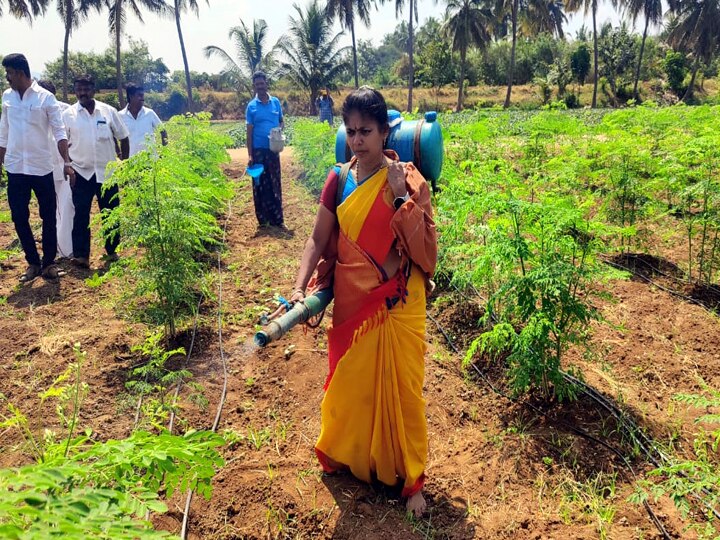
(258, 437)
(545, 256)
(105, 490)
(688, 481)
(314, 146)
(154, 377)
(675, 67)
(171, 197)
(69, 391)
(592, 498)
(80, 488)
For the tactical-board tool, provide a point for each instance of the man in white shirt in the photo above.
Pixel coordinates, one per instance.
(141, 121)
(28, 113)
(92, 127)
(65, 210)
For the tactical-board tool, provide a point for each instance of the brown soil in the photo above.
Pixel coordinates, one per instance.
(496, 469)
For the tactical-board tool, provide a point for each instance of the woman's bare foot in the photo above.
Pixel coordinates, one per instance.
(416, 504)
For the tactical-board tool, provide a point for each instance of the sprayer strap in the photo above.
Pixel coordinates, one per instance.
(342, 180)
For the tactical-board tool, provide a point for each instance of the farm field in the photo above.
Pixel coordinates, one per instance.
(597, 231)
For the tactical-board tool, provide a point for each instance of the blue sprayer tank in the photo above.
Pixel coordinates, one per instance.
(419, 141)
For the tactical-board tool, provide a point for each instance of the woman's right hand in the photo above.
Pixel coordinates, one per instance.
(297, 296)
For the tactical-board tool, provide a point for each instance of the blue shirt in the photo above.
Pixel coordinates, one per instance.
(263, 117)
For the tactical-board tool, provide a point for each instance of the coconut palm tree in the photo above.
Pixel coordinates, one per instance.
(251, 54)
(651, 10)
(543, 16)
(592, 6)
(696, 28)
(467, 23)
(399, 5)
(313, 58)
(345, 11)
(117, 15)
(73, 13)
(179, 7)
(24, 9)
(530, 16)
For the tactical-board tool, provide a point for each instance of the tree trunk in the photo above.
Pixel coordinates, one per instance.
(352, 32)
(118, 68)
(595, 55)
(637, 71)
(689, 93)
(188, 83)
(68, 28)
(511, 69)
(313, 99)
(411, 76)
(461, 81)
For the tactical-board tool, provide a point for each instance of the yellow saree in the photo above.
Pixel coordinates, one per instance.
(373, 411)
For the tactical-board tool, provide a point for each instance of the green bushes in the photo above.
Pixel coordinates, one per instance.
(171, 197)
(693, 482)
(80, 488)
(531, 199)
(105, 490)
(314, 146)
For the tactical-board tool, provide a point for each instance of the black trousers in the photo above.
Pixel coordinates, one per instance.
(82, 194)
(267, 194)
(20, 188)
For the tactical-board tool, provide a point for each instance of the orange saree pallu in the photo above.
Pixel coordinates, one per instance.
(373, 411)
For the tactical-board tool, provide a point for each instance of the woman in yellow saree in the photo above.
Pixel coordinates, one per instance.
(377, 248)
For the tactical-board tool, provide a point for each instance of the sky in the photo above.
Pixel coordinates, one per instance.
(43, 41)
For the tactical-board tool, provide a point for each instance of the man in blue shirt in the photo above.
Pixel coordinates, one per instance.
(264, 113)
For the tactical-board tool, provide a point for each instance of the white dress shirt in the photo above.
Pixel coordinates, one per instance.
(24, 126)
(91, 138)
(140, 128)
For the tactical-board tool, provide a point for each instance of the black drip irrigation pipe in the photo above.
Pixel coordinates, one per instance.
(171, 422)
(661, 287)
(223, 394)
(574, 429)
(647, 445)
(632, 430)
(664, 274)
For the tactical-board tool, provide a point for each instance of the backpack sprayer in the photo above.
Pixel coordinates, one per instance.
(419, 141)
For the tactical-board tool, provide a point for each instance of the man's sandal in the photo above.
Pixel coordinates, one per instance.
(31, 273)
(52, 272)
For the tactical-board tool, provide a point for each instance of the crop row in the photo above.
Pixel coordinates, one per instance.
(78, 487)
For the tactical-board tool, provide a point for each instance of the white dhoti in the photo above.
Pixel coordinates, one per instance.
(65, 212)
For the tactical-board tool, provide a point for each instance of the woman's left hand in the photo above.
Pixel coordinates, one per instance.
(396, 178)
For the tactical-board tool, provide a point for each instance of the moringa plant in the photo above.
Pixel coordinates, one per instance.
(544, 303)
(82, 488)
(693, 481)
(171, 196)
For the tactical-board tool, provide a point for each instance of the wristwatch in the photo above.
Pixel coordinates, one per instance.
(399, 201)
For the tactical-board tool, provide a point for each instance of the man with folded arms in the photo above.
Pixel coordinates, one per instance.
(92, 127)
(28, 113)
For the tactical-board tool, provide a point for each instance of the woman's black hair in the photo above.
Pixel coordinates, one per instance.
(369, 103)
(18, 62)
